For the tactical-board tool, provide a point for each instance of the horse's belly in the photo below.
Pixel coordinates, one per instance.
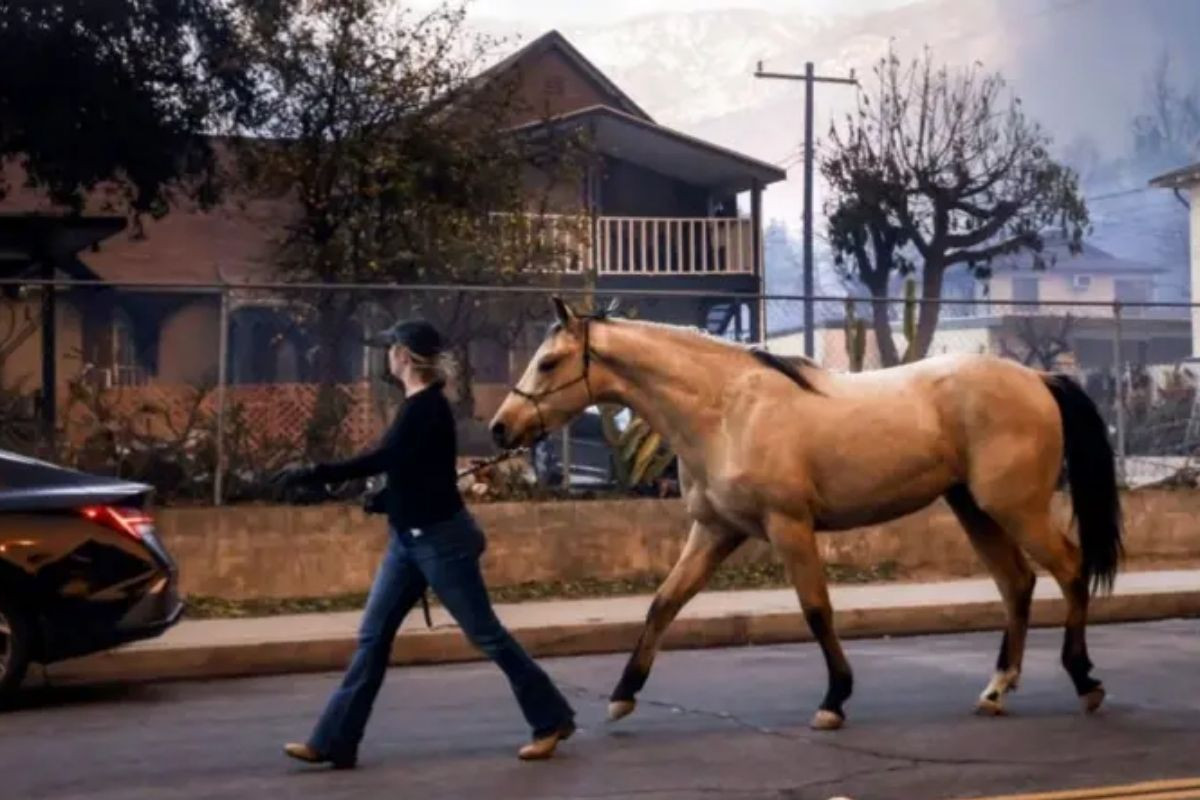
(873, 493)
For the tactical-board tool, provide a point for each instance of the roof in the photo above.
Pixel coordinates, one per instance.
(1091, 260)
(1178, 178)
(648, 144)
(553, 40)
(27, 237)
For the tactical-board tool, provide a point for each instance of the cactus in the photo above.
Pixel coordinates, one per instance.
(910, 320)
(856, 337)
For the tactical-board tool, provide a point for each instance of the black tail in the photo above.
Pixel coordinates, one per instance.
(1091, 473)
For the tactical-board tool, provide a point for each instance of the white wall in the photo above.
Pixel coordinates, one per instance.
(1195, 239)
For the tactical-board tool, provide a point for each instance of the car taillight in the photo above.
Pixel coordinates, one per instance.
(128, 521)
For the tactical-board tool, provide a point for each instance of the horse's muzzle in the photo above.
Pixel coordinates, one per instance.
(500, 435)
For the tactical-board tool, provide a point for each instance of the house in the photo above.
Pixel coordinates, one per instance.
(1185, 182)
(661, 210)
(1062, 316)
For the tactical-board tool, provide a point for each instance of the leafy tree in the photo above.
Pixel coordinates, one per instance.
(396, 155)
(937, 170)
(118, 94)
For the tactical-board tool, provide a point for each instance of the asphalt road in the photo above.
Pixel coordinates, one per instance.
(712, 724)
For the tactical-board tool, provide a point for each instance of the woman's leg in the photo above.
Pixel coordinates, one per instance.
(450, 561)
(397, 587)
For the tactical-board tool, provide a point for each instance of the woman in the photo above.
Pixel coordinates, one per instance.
(433, 542)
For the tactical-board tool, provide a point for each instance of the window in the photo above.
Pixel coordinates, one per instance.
(1132, 291)
(374, 319)
(1025, 290)
(123, 351)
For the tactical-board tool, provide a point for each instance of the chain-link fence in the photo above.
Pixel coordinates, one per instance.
(207, 391)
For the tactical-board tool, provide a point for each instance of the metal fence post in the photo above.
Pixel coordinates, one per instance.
(1119, 392)
(222, 376)
(566, 457)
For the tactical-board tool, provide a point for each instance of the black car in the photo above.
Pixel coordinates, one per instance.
(81, 568)
(591, 455)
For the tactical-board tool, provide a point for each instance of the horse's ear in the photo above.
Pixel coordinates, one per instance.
(562, 311)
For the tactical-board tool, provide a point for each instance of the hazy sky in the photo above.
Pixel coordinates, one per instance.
(552, 13)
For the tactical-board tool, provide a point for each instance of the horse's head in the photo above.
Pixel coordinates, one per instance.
(556, 387)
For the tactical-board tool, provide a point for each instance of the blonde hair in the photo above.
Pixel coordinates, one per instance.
(439, 369)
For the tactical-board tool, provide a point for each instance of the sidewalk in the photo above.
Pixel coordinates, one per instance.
(317, 642)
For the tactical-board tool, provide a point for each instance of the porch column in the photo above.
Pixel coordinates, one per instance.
(756, 254)
(1194, 212)
(49, 349)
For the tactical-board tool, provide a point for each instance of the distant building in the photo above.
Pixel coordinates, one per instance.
(1059, 317)
(661, 210)
(1185, 182)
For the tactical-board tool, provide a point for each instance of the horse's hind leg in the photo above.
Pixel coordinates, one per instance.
(703, 552)
(1014, 578)
(1046, 544)
(796, 544)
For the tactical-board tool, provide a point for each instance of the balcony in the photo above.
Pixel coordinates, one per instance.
(650, 246)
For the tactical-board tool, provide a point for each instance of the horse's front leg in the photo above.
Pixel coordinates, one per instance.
(796, 543)
(703, 552)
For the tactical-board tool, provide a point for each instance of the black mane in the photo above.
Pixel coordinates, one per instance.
(779, 364)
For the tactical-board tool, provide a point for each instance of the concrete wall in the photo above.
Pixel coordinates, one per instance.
(267, 551)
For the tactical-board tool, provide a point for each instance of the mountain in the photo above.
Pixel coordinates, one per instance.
(1081, 68)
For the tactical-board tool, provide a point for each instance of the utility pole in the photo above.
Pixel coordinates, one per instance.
(809, 79)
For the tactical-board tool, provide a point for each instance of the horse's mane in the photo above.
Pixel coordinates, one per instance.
(789, 369)
(768, 360)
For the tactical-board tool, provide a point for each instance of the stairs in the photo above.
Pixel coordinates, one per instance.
(720, 319)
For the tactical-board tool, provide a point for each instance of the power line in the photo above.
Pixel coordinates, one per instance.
(1122, 193)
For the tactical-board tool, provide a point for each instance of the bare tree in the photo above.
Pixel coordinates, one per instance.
(1037, 341)
(398, 159)
(1167, 132)
(937, 170)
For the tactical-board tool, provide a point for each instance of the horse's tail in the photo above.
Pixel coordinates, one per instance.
(1091, 473)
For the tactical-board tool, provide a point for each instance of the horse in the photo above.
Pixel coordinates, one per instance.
(775, 450)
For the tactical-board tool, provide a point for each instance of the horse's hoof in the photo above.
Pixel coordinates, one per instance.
(986, 707)
(1092, 700)
(825, 720)
(619, 709)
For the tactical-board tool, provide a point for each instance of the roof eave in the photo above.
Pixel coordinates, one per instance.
(1178, 178)
(765, 173)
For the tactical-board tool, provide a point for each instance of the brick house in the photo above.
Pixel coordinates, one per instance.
(660, 207)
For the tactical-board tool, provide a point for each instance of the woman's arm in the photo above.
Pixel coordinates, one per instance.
(398, 439)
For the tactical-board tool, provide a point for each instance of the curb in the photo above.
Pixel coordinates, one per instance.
(445, 644)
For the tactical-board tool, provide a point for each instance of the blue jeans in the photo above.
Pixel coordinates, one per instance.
(444, 557)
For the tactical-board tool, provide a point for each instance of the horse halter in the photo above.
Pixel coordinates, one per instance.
(536, 397)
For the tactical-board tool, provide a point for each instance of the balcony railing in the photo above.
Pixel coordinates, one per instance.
(649, 246)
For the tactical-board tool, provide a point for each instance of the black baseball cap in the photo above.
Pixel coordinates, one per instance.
(417, 335)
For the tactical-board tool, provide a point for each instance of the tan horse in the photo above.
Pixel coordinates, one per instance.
(770, 450)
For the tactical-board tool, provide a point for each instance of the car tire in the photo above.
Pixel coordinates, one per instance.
(15, 634)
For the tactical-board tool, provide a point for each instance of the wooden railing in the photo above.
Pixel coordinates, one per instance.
(651, 246)
(673, 246)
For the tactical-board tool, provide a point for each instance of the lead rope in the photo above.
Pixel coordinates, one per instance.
(482, 465)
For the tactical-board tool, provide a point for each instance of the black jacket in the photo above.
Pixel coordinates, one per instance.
(418, 453)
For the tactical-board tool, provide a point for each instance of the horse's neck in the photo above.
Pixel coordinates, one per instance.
(672, 379)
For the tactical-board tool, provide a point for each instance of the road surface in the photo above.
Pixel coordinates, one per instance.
(712, 724)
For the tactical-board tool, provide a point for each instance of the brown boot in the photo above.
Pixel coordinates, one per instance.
(543, 748)
(302, 752)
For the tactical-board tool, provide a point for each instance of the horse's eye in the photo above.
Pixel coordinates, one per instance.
(547, 364)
